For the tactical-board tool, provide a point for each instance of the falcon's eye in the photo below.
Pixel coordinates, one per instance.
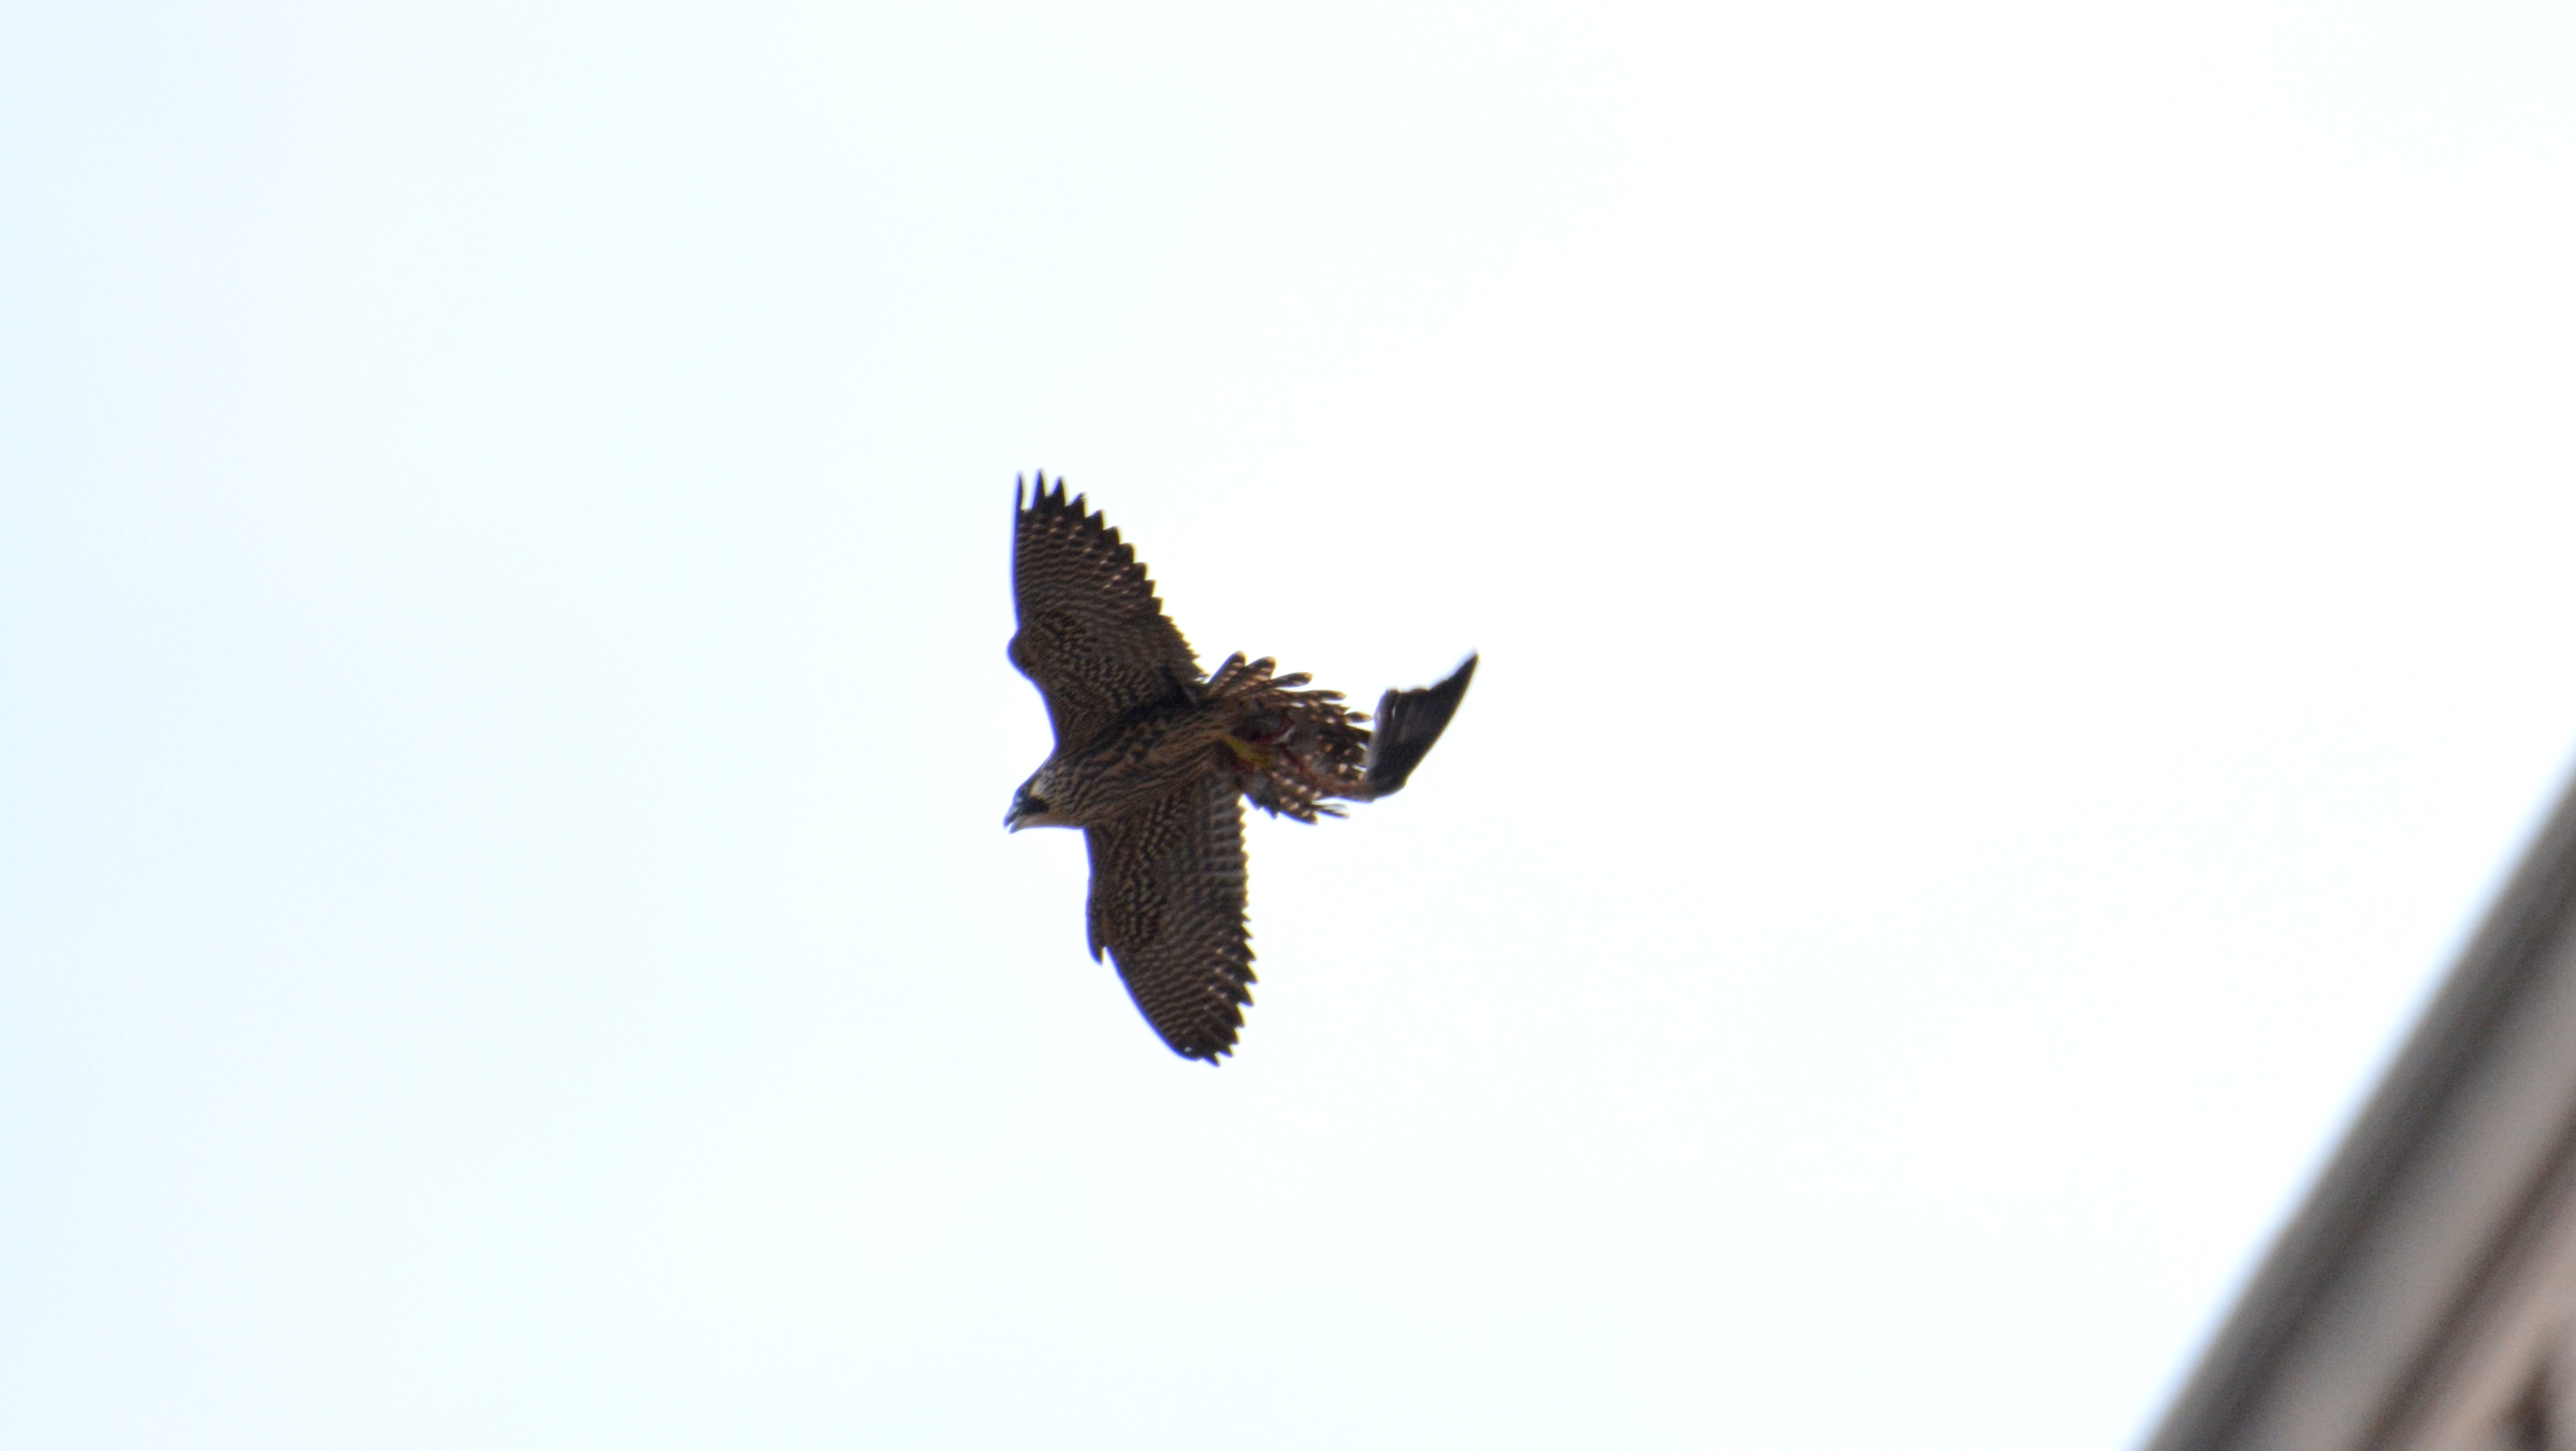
(1032, 805)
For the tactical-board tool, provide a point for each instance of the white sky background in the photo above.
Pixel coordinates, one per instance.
(2021, 556)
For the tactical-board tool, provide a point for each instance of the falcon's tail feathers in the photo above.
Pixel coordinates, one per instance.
(1408, 723)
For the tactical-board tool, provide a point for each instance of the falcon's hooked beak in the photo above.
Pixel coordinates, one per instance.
(1026, 810)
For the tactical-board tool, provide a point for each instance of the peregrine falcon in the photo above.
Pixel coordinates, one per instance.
(1151, 757)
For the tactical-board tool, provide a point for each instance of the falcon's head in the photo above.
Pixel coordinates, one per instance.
(1030, 807)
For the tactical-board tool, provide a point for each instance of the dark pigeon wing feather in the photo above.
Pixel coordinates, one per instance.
(1408, 722)
(1167, 890)
(1092, 635)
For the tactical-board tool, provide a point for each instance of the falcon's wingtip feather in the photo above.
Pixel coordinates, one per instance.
(1213, 1057)
(1044, 503)
(1040, 499)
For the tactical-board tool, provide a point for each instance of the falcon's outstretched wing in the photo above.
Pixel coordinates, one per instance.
(1167, 901)
(1092, 636)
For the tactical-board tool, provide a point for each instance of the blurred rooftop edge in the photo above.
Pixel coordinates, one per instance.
(2424, 1296)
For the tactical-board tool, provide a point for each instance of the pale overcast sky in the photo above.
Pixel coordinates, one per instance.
(2021, 555)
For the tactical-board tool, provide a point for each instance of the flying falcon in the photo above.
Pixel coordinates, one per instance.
(1153, 760)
